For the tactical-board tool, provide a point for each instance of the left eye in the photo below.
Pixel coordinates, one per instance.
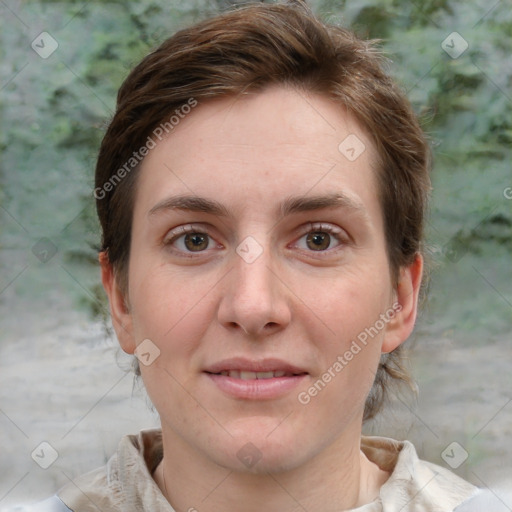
(193, 242)
(318, 240)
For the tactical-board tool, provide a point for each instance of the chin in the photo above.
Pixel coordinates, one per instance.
(257, 452)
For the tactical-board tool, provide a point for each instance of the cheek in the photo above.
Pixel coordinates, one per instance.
(345, 326)
(174, 313)
(169, 308)
(349, 359)
(345, 304)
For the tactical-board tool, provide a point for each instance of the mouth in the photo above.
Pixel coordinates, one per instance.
(248, 375)
(264, 380)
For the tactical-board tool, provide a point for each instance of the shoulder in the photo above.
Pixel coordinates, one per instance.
(414, 484)
(124, 482)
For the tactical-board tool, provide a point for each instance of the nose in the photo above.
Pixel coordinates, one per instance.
(254, 300)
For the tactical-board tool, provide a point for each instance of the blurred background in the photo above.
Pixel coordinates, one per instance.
(64, 382)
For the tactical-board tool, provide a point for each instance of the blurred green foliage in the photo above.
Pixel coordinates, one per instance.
(54, 111)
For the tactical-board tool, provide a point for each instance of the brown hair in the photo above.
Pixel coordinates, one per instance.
(246, 50)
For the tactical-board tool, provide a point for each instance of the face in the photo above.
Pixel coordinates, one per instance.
(258, 271)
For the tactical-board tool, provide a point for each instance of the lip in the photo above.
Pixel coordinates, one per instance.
(255, 389)
(248, 365)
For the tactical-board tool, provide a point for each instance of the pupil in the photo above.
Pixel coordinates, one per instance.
(318, 241)
(196, 241)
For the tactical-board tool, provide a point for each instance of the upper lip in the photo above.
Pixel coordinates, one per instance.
(248, 365)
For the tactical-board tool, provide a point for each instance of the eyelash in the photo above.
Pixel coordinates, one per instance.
(337, 233)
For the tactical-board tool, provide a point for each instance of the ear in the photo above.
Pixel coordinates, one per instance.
(121, 316)
(401, 325)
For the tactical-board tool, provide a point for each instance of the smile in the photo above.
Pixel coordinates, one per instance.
(246, 379)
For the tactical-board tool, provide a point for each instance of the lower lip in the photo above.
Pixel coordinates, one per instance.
(256, 389)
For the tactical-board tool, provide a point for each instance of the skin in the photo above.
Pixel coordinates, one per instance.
(301, 305)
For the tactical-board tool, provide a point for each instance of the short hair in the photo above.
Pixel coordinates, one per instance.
(244, 51)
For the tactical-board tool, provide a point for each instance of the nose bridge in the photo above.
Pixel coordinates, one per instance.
(254, 300)
(253, 285)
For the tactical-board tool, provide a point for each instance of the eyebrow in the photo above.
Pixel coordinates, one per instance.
(289, 206)
(190, 203)
(311, 203)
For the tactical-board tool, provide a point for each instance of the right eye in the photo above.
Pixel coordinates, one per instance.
(189, 239)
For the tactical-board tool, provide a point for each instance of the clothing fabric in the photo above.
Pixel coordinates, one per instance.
(53, 504)
(126, 484)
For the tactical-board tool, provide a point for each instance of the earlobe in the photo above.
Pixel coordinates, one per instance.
(121, 316)
(407, 293)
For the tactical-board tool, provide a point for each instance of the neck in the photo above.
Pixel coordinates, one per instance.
(336, 479)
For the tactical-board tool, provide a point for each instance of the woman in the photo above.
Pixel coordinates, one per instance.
(261, 191)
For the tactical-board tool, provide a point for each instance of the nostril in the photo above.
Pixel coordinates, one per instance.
(268, 328)
(236, 325)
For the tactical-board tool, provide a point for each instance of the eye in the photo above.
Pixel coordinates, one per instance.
(318, 240)
(187, 239)
(196, 241)
(321, 238)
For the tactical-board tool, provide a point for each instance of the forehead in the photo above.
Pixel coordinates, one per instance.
(262, 147)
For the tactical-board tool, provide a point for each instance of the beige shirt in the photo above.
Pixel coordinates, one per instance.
(125, 483)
